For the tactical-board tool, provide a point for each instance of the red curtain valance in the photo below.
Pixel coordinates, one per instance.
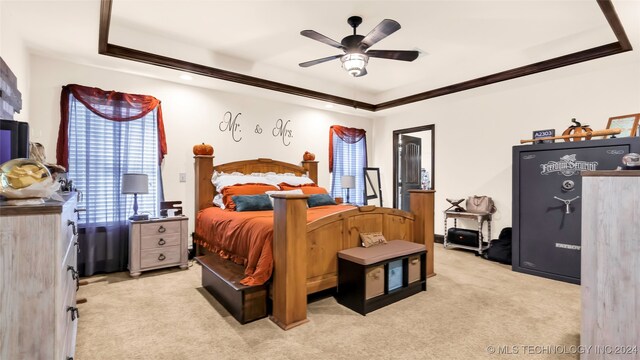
(346, 134)
(110, 105)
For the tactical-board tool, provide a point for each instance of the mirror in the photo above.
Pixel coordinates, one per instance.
(372, 189)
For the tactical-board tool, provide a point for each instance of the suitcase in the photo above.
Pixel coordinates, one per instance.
(463, 237)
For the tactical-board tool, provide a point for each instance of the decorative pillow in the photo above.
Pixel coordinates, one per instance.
(372, 238)
(244, 189)
(252, 202)
(290, 179)
(307, 189)
(296, 191)
(320, 200)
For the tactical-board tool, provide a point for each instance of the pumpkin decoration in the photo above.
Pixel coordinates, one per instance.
(202, 149)
(578, 129)
(308, 156)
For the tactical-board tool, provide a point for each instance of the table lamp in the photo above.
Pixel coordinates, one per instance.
(348, 182)
(135, 184)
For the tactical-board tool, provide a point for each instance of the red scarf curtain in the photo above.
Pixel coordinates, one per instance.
(121, 106)
(346, 134)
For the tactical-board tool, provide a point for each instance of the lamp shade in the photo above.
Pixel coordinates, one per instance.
(348, 182)
(354, 63)
(135, 184)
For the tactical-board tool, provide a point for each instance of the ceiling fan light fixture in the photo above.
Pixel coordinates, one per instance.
(354, 63)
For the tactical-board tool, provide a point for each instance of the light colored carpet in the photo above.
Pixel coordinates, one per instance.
(470, 305)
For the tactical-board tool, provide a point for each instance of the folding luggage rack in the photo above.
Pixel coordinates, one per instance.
(480, 218)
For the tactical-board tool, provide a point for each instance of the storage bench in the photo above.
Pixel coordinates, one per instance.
(222, 278)
(370, 278)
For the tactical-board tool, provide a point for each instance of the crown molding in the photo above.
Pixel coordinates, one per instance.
(606, 6)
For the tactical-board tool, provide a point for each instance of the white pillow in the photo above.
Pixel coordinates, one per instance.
(283, 192)
(217, 200)
(222, 180)
(289, 179)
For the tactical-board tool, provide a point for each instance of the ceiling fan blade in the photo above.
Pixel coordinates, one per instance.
(363, 72)
(319, 61)
(384, 29)
(404, 55)
(319, 37)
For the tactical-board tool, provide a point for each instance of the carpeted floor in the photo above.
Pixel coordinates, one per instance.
(471, 308)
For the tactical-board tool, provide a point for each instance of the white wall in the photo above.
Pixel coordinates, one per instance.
(14, 53)
(476, 129)
(191, 116)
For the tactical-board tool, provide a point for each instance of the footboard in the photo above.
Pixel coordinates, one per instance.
(305, 255)
(328, 235)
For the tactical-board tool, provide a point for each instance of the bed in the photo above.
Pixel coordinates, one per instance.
(305, 252)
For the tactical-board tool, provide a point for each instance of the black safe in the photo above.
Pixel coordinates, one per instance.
(547, 202)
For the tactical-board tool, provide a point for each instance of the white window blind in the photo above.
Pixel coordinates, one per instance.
(349, 159)
(100, 151)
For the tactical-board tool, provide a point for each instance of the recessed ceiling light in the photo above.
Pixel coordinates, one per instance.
(186, 77)
(328, 106)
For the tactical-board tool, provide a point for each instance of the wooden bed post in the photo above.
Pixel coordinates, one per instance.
(422, 203)
(312, 169)
(203, 186)
(289, 261)
(203, 169)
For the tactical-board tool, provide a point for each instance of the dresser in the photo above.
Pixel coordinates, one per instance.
(158, 243)
(611, 265)
(38, 280)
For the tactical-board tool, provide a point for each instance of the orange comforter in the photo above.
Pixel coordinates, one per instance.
(247, 237)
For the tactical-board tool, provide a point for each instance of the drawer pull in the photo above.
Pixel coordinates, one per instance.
(161, 257)
(74, 273)
(78, 211)
(161, 242)
(75, 314)
(414, 261)
(161, 229)
(73, 226)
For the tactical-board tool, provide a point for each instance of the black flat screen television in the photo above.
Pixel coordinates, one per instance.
(14, 140)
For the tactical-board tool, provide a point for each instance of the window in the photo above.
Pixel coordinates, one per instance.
(347, 157)
(103, 135)
(101, 150)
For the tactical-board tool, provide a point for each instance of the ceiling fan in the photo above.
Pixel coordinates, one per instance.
(356, 47)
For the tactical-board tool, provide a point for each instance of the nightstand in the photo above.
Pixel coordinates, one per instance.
(157, 243)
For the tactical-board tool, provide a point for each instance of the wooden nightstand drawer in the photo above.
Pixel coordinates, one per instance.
(159, 241)
(160, 257)
(160, 228)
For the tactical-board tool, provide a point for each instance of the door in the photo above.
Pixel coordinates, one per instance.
(424, 163)
(550, 229)
(409, 171)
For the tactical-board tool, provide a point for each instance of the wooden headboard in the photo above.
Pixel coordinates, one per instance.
(204, 170)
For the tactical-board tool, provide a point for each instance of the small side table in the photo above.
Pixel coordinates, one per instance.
(158, 243)
(479, 218)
